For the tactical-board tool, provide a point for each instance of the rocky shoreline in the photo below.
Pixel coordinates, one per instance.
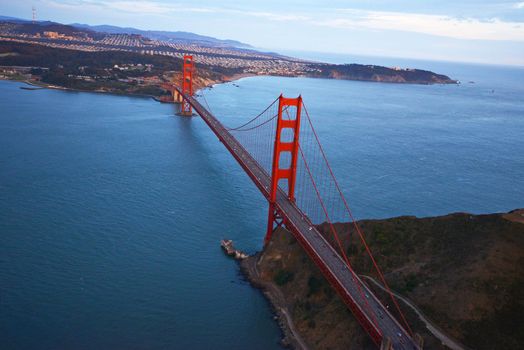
(209, 83)
(311, 315)
(290, 337)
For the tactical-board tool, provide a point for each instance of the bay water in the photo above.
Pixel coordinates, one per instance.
(112, 207)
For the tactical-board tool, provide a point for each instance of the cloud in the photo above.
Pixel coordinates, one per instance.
(151, 7)
(271, 16)
(458, 28)
(350, 19)
(143, 7)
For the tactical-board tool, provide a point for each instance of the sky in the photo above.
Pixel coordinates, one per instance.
(451, 30)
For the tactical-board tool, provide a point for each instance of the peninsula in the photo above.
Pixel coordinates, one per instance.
(460, 278)
(56, 55)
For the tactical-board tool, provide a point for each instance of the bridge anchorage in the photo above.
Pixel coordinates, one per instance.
(281, 152)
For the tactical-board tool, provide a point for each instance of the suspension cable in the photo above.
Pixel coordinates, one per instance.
(357, 226)
(337, 238)
(258, 125)
(254, 118)
(205, 100)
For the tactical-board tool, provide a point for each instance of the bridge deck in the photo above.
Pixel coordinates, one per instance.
(372, 315)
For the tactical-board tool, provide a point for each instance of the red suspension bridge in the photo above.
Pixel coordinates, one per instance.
(280, 151)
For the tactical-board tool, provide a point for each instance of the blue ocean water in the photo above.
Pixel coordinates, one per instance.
(111, 213)
(409, 149)
(112, 208)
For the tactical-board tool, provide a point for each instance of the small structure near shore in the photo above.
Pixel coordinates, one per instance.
(230, 250)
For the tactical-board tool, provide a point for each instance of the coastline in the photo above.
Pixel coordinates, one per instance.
(290, 337)
(284, 315)
(61, 88)
(235, 77)
(298, 307)
(225, 80)
(209, 85)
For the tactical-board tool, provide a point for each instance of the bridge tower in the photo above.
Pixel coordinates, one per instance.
(285, 155)
(187, 85)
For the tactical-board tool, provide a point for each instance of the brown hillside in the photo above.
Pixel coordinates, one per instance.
(463, 271)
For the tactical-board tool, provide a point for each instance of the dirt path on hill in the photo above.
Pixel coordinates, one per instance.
(434, 329)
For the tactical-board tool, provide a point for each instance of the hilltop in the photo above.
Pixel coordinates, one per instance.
(168, 36)
(105, 71)
(463, 271)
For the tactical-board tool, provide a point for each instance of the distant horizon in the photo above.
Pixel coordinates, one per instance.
(289, 52)
(286, 52)
(472, 32)
(283, 52)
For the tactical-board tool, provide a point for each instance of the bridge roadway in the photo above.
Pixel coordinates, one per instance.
(371, 314)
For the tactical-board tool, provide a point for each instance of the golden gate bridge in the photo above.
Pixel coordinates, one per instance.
(281, 152)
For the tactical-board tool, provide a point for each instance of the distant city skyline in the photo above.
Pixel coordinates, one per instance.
(468, 31)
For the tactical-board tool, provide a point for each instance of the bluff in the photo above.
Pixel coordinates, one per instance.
(464, 272)
(366, 72)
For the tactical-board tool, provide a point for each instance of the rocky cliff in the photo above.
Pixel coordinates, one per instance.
(382, 74)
